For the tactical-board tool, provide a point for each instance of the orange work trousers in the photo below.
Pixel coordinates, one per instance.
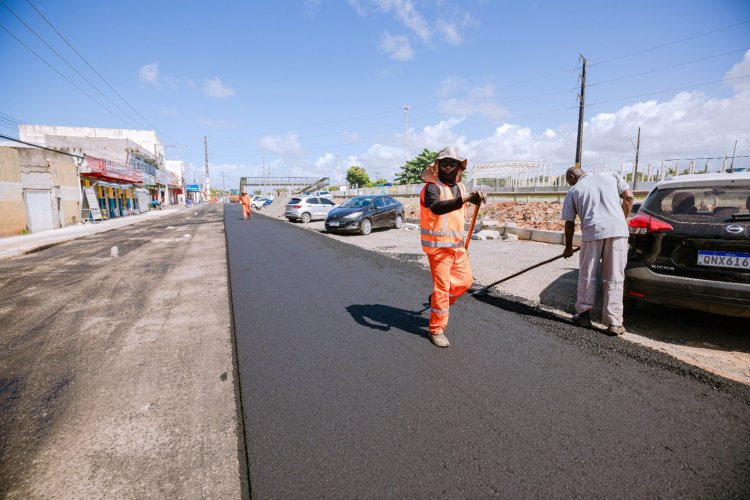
(451, 277)
(246, 212)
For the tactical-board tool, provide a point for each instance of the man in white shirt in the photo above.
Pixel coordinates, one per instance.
(602, 202)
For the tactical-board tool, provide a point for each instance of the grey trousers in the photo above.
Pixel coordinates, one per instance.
(612, 255)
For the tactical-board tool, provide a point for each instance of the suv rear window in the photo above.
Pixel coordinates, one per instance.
(696, 204)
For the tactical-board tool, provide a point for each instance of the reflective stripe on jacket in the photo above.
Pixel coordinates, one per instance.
(441, 231)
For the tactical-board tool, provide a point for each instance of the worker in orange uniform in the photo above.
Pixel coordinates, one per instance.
(245, 201)
(442, 215)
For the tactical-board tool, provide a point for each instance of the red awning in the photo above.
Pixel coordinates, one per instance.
(96, 167)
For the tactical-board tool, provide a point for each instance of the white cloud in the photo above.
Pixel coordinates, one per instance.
(326, 160)
(149, 73)
(408, 15)
(451, 85)
(478, 100)
(215, 88)
(449, 32)
(282, 145)
(397, 46)
(741, 69)
(350, 137)
(358, 7)
(687, 126)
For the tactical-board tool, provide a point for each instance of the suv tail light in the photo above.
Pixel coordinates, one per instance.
(297, 206)
(642, 224)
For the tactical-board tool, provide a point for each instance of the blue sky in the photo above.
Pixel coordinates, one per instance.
(292, 84)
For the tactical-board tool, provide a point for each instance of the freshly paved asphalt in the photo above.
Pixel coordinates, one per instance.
(344, 396)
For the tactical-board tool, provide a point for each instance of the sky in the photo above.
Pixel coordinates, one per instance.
(312, 87)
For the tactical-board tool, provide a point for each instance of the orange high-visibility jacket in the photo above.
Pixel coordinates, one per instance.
(441, 231)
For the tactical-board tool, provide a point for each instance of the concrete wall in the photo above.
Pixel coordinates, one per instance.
(147, 139)
(12, 207)
(41, 169)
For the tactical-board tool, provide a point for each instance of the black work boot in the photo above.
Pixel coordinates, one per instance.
(582, 319)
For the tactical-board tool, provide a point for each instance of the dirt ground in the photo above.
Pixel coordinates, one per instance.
(530, 215)
(720, 345)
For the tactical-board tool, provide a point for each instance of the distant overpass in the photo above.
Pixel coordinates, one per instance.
(294, 184)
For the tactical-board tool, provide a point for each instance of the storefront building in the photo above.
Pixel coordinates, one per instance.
(113, 186)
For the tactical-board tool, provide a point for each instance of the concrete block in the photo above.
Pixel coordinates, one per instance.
(478, 236)
(490, 234)
(510, 237)
(555, 237)
(522, 233)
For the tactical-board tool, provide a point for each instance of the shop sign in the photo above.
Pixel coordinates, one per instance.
(106, 168)
(193, 188)
(96, 213)
(163, 177)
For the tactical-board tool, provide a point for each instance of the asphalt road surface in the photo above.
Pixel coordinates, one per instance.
(116, 373)
(344, 396)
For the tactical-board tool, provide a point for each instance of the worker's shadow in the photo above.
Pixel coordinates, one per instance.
(386, 318)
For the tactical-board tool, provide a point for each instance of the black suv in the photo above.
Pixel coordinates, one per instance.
(690, 245)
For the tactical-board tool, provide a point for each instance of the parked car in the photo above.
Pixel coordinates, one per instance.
(324, 194)
(258, 202)
(307, 208)
(690, 245)
(361, 214)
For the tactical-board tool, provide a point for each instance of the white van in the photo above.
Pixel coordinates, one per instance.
(324, 194)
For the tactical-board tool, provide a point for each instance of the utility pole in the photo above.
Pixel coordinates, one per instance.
(208, 183)
(581, 98)
(635, 165)
(338, 170)
(731, 164)
(406, 133)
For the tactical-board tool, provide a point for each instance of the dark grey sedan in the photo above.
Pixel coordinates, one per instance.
(362, 214)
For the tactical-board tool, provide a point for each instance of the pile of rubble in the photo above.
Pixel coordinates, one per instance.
(530, 215)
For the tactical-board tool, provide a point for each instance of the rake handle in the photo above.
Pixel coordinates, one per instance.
(471, 227)
(526, 270)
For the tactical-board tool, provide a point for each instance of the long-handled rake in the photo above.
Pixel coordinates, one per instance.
(484, 290)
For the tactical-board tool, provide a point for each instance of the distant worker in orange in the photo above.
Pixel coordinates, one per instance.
(442, 215)
(245, 201)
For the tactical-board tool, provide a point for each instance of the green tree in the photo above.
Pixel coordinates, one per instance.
(413, 168)
(380, 182)
(357, 175)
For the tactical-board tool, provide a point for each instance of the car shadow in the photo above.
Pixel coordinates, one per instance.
(386, 318)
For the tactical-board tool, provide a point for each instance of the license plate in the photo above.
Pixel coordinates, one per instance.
(736, 260)
(333, 223)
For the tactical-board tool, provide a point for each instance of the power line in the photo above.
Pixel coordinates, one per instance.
(664, 68)
(70, 65)
(674, 89)
(40, 147)
(59, 73)
(90, 66)
(667, 44)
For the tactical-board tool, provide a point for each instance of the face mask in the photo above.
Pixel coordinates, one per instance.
(446, 178)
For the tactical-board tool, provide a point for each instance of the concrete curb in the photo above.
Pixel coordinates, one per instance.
(542, 236)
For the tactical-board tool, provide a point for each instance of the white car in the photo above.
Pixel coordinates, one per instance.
(259, 202)
(324, 194)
